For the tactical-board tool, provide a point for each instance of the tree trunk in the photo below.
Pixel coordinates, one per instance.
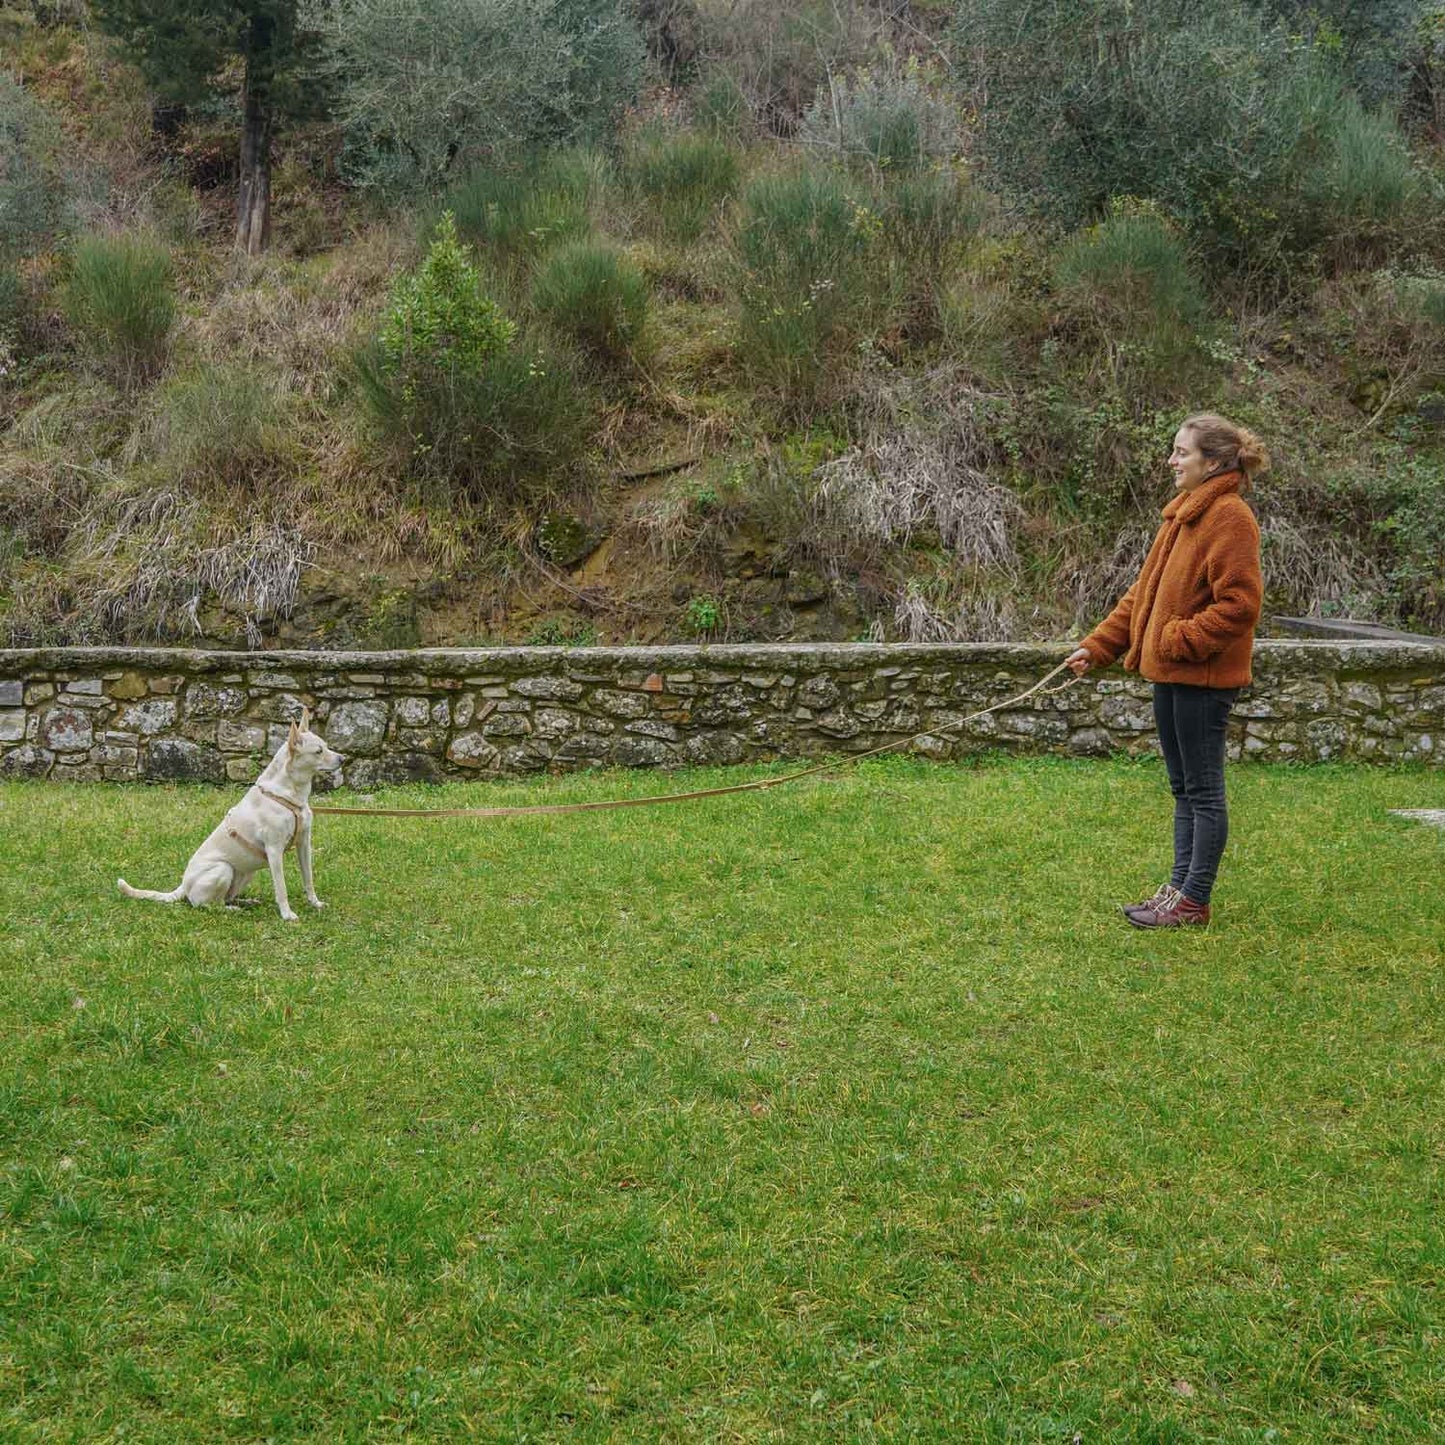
(253, 203)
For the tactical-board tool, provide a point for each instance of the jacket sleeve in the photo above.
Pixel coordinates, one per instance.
(1110, 639)
(1231, 569)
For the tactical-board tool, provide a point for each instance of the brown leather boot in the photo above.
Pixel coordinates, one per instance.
(1161, 897)
(1177, 911)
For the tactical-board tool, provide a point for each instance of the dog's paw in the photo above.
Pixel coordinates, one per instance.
(316, 903)
(290, 916)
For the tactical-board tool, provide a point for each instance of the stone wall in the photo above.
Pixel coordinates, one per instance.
(88, 714)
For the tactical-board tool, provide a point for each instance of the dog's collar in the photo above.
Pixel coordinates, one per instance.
(294, 807)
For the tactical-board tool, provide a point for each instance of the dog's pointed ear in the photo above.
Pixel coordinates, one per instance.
(305, 722)
(293, 738)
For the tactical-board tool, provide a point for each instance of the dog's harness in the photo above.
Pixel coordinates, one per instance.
(292, 808)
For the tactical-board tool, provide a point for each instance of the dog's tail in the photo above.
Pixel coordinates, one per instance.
(151, 893)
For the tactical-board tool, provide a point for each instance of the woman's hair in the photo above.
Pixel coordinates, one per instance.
(1234, 447)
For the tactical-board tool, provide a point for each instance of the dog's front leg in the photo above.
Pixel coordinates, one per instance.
(303, 861)
(275, 856)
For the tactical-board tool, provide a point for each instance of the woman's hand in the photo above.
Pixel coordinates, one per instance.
(1079, 661)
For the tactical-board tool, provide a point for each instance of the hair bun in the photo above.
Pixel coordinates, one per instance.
(1253, 455)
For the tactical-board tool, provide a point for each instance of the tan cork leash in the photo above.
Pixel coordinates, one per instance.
(832, 766)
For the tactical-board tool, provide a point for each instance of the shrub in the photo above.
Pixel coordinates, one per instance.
(683, 179)
(512, 212)
(702, 616)
(30, 185)
(225, 423)
(438, 322)
(120, 300)
(1364, 188)
(463, 80)
(589, 292)
(894, 120)
(1215, 112)
(1129, 279)
(928, 217)
(445, 380)
(720, 108)
(803, 250)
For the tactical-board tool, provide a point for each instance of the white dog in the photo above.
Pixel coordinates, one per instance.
(272, 817)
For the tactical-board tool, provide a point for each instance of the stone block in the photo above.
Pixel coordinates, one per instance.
(12, 692)
(619, 704)
(507, 725)
(240, 770)
(584, 747)
(38, 692)
(554, 689)
(421, 740)
(1091, 743)
(651, 728)
(180, 760)
(357, 727)
(204, 700)
(553, 723)
(12, 726)
(89, 702)
(528, 757)
(471, 750)
(412, 712)
(27, 762)
(711, 749)
(643, 753)
(153, 716)
(273, 680)
(240, 737)
(77, 772)
(86, 686)
(66, 730)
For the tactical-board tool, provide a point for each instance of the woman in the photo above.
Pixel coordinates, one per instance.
(1187, 624)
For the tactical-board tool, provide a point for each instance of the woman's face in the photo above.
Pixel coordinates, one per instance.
(1189, 465)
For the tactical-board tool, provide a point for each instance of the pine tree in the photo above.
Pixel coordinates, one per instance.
(184, 48)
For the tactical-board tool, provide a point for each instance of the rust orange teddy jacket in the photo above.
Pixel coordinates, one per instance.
(1191, 615)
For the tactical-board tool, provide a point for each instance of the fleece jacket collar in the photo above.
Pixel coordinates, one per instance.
(1188, 506)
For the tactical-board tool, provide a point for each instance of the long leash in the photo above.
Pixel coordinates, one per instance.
(832, 766)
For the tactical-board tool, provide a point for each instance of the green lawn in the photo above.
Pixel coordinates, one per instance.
(848, 1111)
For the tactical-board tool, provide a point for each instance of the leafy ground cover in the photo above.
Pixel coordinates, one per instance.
(847, 1111)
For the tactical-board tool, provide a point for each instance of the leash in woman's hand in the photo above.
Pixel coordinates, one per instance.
(832, 765)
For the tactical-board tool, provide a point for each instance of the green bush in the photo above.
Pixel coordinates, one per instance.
(892, 119)
(460, 81)
(446, 381)
(512, 212)
(1130, 277)
(683, 180)
(120, 301)
(581, 172)
(438, 322)
(585, 290)
(219, 423)
(1218, 113)
(928, 218)
(720, 108)
(1364, 188)
(31, 185)
(804, 248)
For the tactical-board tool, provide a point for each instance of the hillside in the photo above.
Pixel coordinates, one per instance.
(782, 356)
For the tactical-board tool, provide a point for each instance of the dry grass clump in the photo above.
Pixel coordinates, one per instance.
(922, 467)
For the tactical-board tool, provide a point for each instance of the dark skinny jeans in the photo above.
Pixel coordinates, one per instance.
(1191, 722)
